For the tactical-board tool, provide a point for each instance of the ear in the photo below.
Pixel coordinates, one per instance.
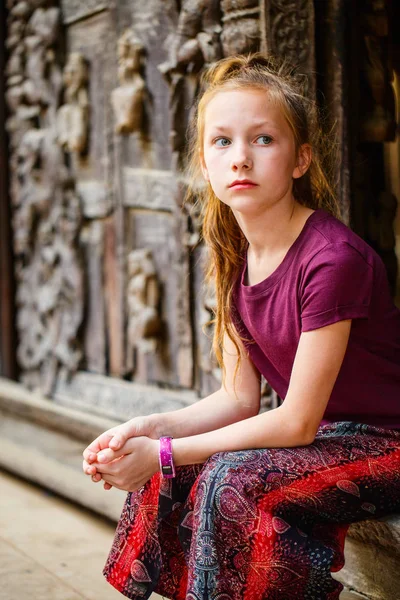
(204, 168)
(304, 156)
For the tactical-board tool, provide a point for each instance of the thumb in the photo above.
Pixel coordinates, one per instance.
(122, 435)
(108, 455)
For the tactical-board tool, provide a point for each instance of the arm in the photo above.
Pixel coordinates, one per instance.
(318, 360)
(236, 400)
(233, 402)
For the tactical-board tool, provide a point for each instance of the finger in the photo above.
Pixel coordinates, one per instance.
(107, 486)
(96, 478)
(101, 442)
(109, 468)
(107, 455)
(121, 436)
(91, 451)
(88, 469)
(91, 457)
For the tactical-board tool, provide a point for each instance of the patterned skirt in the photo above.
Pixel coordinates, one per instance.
(256, 524)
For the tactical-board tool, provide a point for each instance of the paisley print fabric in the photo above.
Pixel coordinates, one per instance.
(256, 524)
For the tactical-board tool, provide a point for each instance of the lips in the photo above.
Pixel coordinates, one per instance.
(241, 184)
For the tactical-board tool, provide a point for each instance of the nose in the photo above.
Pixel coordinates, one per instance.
(241, 159)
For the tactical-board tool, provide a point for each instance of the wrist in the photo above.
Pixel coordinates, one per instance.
(166, 460)
(153, 426)
(160, 425)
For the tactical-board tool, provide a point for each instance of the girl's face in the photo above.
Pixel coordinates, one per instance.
(249, 154)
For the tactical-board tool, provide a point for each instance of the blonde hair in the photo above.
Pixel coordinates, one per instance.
(220, 229)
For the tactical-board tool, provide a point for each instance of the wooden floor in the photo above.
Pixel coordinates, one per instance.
(50, 549)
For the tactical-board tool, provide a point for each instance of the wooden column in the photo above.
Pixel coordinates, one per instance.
(7, 332)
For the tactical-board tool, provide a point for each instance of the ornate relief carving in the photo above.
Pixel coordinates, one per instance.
(128, 99)
(33, 77)
(291, 33)
(46, 209)
(49, 275)
(143, 299)
(378, 121)
(72, 10)
(73, 115)
(290, 25)
(240, 26)
(195, 43)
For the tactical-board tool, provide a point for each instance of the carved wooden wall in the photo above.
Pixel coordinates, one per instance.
(107, 262)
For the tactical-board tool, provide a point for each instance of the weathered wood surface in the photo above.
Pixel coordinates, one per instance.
(94, 336)
(106, 250)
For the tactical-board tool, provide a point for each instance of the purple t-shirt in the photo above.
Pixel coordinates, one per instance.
(329, 274)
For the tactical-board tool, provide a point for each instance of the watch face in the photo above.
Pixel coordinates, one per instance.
(167, 470)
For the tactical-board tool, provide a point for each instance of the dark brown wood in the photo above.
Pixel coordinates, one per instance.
(333, 29)
(8, 366)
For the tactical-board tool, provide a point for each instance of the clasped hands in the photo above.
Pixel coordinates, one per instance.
(125, 456)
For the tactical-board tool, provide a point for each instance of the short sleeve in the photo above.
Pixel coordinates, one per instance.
(336, 286)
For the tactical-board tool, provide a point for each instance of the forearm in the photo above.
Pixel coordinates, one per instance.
(272, 429)
(213, 412)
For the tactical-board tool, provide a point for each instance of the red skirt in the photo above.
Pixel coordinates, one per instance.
(263, 524)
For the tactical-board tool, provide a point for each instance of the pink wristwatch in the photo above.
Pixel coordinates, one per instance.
(167, 466)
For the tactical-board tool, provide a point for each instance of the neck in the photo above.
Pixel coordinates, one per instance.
(275, 229)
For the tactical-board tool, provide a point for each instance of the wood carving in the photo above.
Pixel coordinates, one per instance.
(290, 35)
(143, 299)
(206, 31)
(73, 115)
(290, 27)
(42, 75)
(196, 43)
(49, 275)
(378, 121)
(240, 26)
(128, 99)
(46, 210)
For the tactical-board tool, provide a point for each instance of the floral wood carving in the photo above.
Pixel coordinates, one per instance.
(46, 211)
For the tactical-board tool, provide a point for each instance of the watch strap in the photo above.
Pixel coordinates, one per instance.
(166, 460)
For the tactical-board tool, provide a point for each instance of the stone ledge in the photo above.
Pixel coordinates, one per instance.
(383, 532)
(43, 443)
(17, 400)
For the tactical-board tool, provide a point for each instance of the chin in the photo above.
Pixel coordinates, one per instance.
(247, 206)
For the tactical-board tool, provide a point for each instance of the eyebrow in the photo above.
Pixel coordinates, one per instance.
(256, 125)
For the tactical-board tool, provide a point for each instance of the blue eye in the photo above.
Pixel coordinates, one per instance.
(265, 140)
(222, 142)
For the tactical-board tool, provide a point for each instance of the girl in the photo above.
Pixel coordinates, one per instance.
(260, 503)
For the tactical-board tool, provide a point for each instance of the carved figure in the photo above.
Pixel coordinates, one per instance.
(128, 99)
(73, 116)
(143, 297)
